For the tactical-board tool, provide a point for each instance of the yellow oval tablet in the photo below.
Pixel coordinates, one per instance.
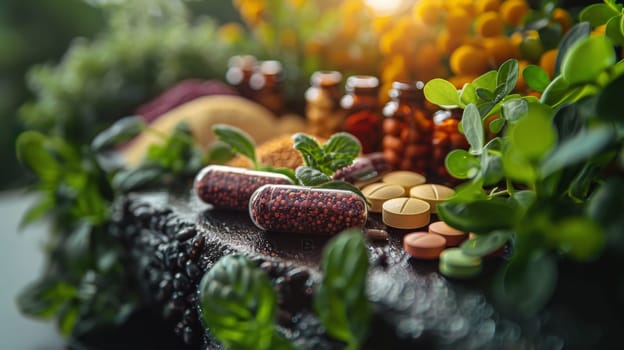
(380, 192)
(405, 213)
(404, 178)
(432, 194)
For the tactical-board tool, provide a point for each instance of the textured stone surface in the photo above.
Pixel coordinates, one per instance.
(414, 305)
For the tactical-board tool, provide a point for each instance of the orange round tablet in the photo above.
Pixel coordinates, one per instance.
(453, 236)
(423, 245)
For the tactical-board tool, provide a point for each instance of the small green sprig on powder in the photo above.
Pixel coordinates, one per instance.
(321, 161)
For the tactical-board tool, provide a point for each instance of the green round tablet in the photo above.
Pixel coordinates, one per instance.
(454, 263)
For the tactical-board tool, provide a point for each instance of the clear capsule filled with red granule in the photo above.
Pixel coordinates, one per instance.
(230, 187)
(296, 209)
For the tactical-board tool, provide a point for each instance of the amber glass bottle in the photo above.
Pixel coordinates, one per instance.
(240, 70)
(323, 111)
(446, 137)
(362, 105)
(407, 128)
(267, 82)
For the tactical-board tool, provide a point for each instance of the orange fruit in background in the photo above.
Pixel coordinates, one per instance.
(458, 22)
(469, 60)
(512, 11)
(447, 43)
(499, 49)
(482, 6)
(562, 17)
(547, 61)
(429, 12)
(489, 24)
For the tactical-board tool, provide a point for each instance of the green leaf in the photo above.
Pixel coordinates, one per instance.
(340, 300)
(579, 237)
(577, 149)
(517, 167)
(536, 77)
(608, 106)
(68, 318)
(461, 164)
(491, 168)
(485, 244)
(343, 185)
(138, 178)
(577, 32)
(598, 50)
(533, 136)
(238, 140)
(309, 176)
(32, 151)
(310, 150)
(597, 14)
(614, 30)
(121, 131)
(507, 77)
(496, 125)
(527, 283)
(218, 153)
(479, 216)
(238, 303)
(484, 94)
(486, 80)
(568, 122)
(341, 148)
(441, 92)
(44, 298)
(468, 94)
(473, 129)
(37, 211)
(515, 109)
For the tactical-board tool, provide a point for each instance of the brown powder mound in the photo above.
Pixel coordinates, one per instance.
(276, 152)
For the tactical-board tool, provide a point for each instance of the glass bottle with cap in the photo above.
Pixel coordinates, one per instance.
(446, 137)
(407, 128)
(267, 82)
(363, 118)
(240, 70)
(323, 111)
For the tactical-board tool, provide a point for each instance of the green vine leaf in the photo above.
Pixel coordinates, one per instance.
(121, 131)
(441, 92)
(238, 140)
(577, 32)
(485, 244)
(239, 304)
(479, 216)
(473, 129)
(597, 14)
(598, 50)
(309, 176)
(461, 164)
(340, 300)
(507, 78)
(536, 77)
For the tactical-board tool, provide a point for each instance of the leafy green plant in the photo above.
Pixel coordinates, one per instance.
(534, 183)
(321, 161)
(611, 14)
(340, 299)
(239, 305)
(82, 287)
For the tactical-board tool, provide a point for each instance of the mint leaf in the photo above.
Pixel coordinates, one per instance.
(340, 300)
(122, 130)
(310, 150)
(309, 176)
(239, 304)
(238, 140)
(341, 149)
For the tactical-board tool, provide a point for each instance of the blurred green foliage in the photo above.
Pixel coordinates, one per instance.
(32, 32)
